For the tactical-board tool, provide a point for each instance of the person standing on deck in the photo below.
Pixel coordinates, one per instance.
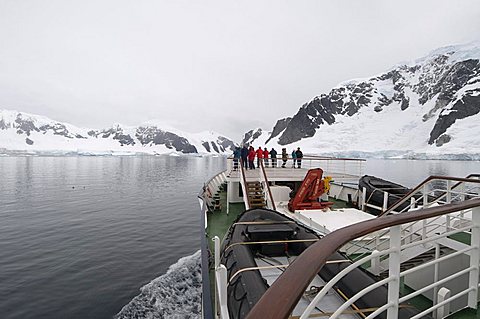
(294, 156)
(251, 157)
(273, 156)
(284, 157)
(244, 155)
(259, 155)
(299, 155)
(236, 158)
(265, 156)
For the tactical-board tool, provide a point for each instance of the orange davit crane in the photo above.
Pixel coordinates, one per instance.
(311, 189)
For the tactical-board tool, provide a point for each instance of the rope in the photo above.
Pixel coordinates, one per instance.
(278, 266)
(353, 305)
(255, 268)
(264, 223)
(270, 242)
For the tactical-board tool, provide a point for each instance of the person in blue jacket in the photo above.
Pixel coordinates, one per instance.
(244, 156)
(236, 158)
(294, 156)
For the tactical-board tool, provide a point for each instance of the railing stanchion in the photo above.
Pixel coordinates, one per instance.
(443, 311)
(364, 197)
(222, 291)
(375, 268)
(435, 273)
(216, 242)
(449, 191)
(394, 271)
(425, 196)
(385, 201)
(474, 259)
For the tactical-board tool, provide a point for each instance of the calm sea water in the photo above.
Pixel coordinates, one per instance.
(79, 236)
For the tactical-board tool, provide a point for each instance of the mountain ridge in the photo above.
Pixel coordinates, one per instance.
(22, 132)
(423, 108)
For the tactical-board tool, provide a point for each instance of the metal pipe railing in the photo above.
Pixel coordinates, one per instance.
(287, 290)
(266, 185)
(243, 183)
(421, 186)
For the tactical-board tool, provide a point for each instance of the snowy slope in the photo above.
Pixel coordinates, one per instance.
(427, 108)
(28, 133)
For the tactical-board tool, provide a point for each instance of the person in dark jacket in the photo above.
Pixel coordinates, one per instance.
(273, 156)
(284, 157)
(236, 157)
(299, 155)
(244, 155)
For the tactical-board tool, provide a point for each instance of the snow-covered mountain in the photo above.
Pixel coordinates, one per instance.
(427, 108)
(25, 133)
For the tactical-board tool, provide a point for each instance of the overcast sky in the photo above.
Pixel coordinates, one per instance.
(227, 66)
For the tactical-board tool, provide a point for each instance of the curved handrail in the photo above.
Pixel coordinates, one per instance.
(419, 186)
(267, 185)
(287, 290)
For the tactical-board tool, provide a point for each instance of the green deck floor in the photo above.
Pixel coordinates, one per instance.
(218, 221)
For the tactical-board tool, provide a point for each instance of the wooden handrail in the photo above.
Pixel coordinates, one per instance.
(428, 179)
(282, 296)
(244, 185)
(267, 185)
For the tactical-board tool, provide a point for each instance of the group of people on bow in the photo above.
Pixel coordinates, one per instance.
(247, 156)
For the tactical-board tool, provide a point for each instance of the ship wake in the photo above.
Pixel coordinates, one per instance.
(176, 294)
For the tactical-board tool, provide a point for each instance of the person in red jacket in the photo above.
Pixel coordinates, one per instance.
(251, 157)
(265, 156)
(259, 155)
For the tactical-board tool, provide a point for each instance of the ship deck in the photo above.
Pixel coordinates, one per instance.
(343, 185)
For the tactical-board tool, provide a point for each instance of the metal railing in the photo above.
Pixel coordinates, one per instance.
(346, 170)
(425, 194)
(266, 188)
(291, 285)
(419, 197)
(243, 183)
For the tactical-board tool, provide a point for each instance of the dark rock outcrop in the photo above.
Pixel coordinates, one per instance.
(251, 136)
(434, 78)
(153, 135)
(279, 127)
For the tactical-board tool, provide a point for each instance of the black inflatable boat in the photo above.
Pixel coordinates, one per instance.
(245, 242)
(376, 187)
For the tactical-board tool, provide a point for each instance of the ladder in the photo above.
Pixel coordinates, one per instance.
(256, 195)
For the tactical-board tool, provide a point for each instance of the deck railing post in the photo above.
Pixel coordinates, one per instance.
(425, 196)
(222, 291)
(449, 191)
(443, 311)
(435, 273)
(385, 201)
(394, 271)
(364, 197)
(375, 264)
(216, 244)
(474, 259)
